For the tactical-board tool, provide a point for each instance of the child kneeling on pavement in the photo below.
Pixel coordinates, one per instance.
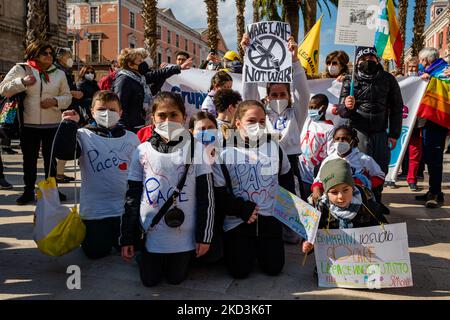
(104, 151)
(343, 205)
(168, 197)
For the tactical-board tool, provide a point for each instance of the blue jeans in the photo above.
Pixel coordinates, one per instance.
(433, 152)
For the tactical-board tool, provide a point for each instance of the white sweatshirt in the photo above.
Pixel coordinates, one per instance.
(290, 122)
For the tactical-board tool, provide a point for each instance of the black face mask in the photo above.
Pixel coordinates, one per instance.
(143, 68)
(368, 67)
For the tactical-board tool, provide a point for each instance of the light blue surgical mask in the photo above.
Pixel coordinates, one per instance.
(315, 114)
(206, 136)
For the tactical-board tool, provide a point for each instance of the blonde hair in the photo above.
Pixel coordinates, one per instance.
(128, 56)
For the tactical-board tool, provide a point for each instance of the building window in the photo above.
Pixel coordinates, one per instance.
(169, 56)
(177, 40)
(159, 59)
(158, 32)
(95, 18)
(95, 50)
(195, 46)
(441, 39)
(169, 35)
(132, 20)
(185, 45)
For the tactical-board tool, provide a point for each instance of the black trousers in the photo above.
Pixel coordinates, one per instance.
(243, 247)
(434, 137)
(153, 267)
(101, 236)
(31, 140)
(1, 168)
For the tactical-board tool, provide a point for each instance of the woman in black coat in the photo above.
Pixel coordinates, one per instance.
(88, 85)
(136, 84)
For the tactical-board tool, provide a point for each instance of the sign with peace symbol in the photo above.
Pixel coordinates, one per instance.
(261, 53)
(267, 56)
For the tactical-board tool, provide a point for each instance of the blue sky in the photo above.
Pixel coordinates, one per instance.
(194, 15)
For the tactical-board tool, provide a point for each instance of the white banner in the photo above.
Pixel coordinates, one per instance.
(364, 258)
(193, 85)
(267, 58)
(356, 22)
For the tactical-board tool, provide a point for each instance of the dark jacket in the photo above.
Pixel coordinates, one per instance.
(379, 103)
(130, 224)
(131, 94)
(364, 217)
(77, 104)
(66, 138)
(89, 88)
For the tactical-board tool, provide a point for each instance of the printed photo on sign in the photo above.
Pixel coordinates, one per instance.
(356, 22)
(267, 58)
(364, 258)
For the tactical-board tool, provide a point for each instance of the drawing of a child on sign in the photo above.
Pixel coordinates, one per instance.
(267, 58)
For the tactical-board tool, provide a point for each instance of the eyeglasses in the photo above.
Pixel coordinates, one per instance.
(46, 53)
(333, 63)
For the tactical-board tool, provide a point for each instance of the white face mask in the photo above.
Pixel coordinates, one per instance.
(169, 129)
(413, 74)
(254, 131)
(278, 105)
(333, 70)
(106, 118)
(342, 147)
(89, 76)
(69, 63)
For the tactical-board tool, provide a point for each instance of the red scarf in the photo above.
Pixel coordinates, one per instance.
(43, 74)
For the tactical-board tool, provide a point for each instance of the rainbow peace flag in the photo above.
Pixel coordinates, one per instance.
(435, 105)
(388, 40)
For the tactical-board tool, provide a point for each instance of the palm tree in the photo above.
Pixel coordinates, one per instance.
(240, 23)
(37, 26)
(213, 30)
(290, 8)
(402, 14)
(149, 15)
(309, 11)
(256, 6)
(420, 13)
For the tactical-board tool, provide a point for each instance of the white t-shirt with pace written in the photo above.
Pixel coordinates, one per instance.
(160, 174)
(254, 177)
(104, 164)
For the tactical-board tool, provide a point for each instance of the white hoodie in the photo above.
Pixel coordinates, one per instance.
(290, 122)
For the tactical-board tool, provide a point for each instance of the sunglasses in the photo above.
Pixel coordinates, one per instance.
(333, 63)
(46, 53)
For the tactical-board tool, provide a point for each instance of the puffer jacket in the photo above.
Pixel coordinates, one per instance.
(369, 214)
(379, 103)
(131, 94)
(56, 88)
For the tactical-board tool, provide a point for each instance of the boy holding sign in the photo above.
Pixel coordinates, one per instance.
(343, 205)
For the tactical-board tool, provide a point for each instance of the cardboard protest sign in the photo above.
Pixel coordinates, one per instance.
(356, 22)
(296, 214)
(364, 258)
(267, 58)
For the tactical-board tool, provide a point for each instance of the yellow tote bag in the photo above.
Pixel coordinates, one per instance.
(57, 229)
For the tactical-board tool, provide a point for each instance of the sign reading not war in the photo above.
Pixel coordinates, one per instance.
(364, 258)
(267, 58)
